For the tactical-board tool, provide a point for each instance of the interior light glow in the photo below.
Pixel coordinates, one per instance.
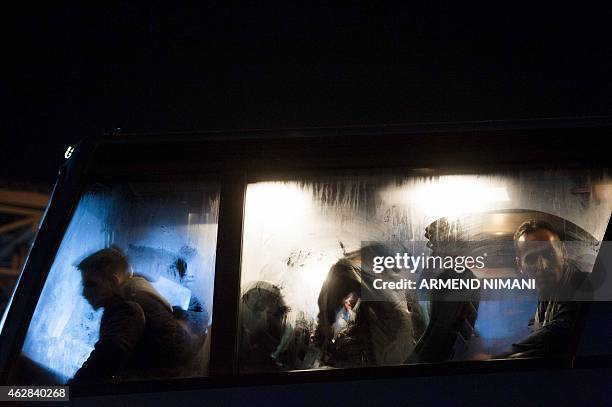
(276, 200)
(454, 196)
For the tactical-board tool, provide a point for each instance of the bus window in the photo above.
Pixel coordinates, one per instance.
(129, 294)
(305, 303)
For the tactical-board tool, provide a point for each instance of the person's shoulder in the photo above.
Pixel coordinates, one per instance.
(123, 316)
(576, 275)
(578, 286)
(125, 308)
(142, 292)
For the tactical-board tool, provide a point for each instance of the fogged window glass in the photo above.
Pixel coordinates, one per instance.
(129, 294)
(303, 303)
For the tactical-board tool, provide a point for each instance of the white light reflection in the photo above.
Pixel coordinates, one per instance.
(277, 200)
(453, 196)
(289, 242)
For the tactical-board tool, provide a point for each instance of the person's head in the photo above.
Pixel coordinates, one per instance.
(350, 301)
(446, 237)
(540, 253)
(104, 273)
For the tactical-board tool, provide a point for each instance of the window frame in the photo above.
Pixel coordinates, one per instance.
(484, 141)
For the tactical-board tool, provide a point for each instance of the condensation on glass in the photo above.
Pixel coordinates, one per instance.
(301, 244)
(168, 232)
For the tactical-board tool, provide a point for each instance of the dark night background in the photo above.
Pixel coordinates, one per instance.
(82, 70)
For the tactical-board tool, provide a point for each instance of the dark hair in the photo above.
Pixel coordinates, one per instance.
(105, 261)
(532, 226)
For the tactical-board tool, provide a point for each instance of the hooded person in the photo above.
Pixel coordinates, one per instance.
(358, 325)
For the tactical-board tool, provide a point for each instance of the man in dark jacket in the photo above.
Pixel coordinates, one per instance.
(139, 336)
(540, 254)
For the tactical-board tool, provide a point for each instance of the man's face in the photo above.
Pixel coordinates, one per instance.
(540, 255)
(98, 289)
